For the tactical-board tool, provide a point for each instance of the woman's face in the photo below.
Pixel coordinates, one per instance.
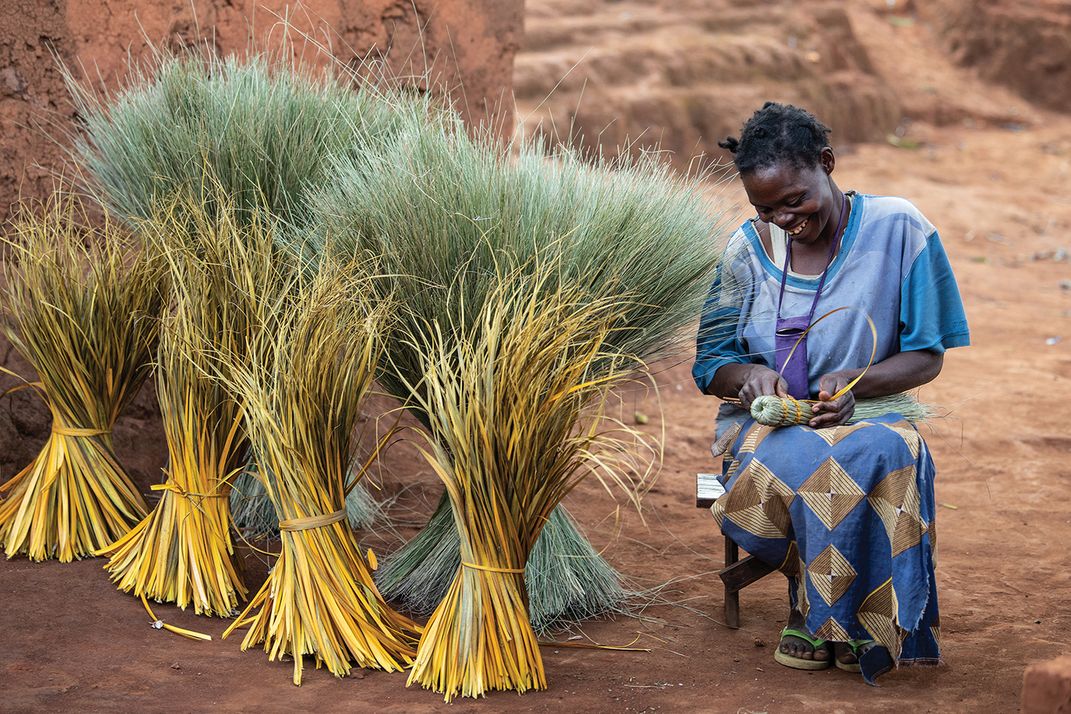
(801, 201)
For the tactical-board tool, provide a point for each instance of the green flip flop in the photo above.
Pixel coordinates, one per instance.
(798, 662)
(858, 647)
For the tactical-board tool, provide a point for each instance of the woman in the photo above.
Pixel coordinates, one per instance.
(846, 512)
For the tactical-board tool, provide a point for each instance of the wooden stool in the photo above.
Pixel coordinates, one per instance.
(737, 574)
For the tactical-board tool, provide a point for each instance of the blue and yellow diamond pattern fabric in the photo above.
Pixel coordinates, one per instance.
(847, 514)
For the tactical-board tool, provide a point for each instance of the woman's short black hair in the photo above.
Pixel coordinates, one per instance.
(778, 133)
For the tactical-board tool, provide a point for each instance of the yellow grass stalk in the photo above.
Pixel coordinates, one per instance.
(80, 305)
(517, 419)
(301, 388)
(183, 551)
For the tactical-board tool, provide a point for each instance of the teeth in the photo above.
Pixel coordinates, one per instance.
(799, 229)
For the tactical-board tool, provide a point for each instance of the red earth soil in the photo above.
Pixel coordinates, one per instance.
(990, 170)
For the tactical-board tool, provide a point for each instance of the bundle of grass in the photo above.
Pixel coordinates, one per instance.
(80, 305)
(223, 271)
(301, 387)
(507, 441)
(442, 211)
(259, 127)
(253, 512)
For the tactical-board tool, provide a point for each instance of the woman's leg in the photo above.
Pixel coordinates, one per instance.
(848, 511)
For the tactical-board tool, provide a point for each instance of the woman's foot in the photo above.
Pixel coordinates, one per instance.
(798, 649)
(847, 654)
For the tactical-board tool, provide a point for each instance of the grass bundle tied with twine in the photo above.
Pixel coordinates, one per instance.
(80, 304)
(517, 420)
(444, 213)
(221, 268)
(301, 387)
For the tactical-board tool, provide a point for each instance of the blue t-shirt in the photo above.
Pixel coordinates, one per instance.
(891, 266)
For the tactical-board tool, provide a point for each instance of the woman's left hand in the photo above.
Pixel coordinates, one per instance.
(828, 411)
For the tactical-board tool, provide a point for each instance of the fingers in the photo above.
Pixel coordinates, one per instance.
(762, 382)
(828, 419)
(781, 388)
(832, 412)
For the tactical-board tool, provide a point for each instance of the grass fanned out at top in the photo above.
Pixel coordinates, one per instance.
(301, 386)
(80, 304)
(260, 128)
(221, 269)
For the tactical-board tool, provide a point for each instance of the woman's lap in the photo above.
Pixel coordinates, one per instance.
(847, 512)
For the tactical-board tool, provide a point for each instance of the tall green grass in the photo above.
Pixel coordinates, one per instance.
(258, 127)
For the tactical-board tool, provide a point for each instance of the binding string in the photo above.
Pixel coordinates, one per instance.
(303, 524)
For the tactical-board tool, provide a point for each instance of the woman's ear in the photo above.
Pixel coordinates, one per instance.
(828, 160)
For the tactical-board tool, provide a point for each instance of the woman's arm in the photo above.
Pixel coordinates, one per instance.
(898, 373)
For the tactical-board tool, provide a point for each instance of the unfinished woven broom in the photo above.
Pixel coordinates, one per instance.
(301, 388)
(786, 411)
(183, 551)
(80, 305)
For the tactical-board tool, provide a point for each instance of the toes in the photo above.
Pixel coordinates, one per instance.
(845, 655)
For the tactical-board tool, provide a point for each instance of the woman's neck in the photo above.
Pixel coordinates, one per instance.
(812, 258)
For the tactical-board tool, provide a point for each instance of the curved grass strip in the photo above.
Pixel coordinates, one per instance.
(80, 305)
(301, 387)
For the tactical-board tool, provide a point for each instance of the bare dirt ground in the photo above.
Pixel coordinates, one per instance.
(998, 193)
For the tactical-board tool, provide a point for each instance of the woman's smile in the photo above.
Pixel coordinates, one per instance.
(798, 229)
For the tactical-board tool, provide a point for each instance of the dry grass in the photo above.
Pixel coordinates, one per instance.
(80, 304)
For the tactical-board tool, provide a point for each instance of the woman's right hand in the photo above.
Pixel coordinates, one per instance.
(761, 381)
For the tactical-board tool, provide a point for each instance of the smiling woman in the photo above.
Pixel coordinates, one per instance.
(846, 512)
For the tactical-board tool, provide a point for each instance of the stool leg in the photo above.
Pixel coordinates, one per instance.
(732, 598)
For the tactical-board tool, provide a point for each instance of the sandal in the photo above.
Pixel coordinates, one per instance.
(798, 662)
(857, 647)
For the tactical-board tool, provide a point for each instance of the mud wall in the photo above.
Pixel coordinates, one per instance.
(467, 44)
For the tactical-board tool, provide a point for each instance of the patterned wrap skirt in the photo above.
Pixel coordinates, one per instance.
(847, 513)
